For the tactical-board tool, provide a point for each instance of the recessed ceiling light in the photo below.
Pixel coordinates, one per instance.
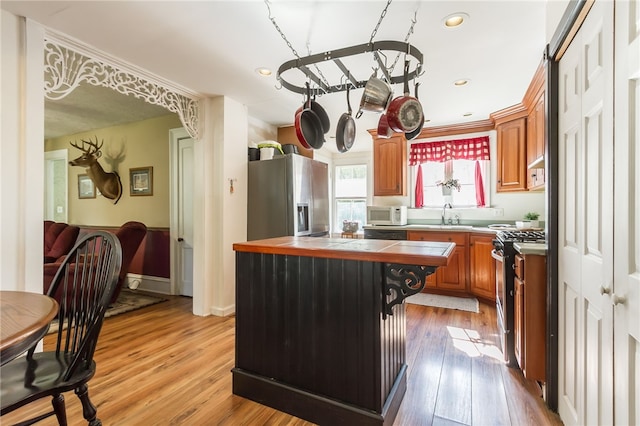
(461, 82)
(455, 20)
(263, 71)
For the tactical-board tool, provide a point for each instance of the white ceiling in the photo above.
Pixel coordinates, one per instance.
(214, 47)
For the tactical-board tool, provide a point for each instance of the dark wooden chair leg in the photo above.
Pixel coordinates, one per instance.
(59, 409)
(89, 411)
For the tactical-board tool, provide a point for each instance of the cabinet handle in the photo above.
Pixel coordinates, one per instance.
(604, 290)
(533, 175)
(618, 300)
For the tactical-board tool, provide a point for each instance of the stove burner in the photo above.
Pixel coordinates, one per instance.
(522, 236)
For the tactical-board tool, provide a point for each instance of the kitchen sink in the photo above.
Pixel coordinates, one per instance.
(441, 226)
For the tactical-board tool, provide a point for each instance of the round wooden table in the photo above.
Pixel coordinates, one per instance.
(25, 319)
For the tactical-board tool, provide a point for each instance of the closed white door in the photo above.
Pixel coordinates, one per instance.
(626, 290)
(586, 223)
(182, 211)
(55, 185)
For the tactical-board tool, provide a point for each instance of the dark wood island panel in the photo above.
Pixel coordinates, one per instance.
(314, 335)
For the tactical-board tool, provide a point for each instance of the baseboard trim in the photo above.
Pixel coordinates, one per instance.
(314, 407)
(149, 283)
(224, 311)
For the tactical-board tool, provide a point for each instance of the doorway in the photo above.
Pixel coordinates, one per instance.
(181, 218)
(55, 191)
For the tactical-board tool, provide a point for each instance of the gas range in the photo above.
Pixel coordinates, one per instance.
(505, 253)
(521, 236)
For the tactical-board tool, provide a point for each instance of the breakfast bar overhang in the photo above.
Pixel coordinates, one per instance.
(320, 324)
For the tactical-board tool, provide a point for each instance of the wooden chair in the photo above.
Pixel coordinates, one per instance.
(88, 277)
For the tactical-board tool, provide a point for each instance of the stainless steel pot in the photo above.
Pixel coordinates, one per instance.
(376, 97)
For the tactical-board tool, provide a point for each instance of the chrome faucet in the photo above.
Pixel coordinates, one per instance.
(443, 209)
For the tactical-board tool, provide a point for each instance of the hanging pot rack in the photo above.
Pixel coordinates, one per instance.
(323, 86)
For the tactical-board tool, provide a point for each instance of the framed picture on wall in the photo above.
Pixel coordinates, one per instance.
(141, 181)
(86, 188)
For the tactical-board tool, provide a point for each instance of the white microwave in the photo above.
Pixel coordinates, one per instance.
(379, 215)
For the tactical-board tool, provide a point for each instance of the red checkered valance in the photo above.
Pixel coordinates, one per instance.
(441, 151)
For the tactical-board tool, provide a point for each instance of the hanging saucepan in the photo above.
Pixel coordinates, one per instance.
(346, 129)
(308, 126)
(295, 118)
(414, 134)
(384, 131)
(404, 112)
(376, 96)
(322, 115)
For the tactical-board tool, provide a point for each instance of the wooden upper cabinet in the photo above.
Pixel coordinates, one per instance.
(390, 166)
(512, 143)
(287, 135)
(536, 144)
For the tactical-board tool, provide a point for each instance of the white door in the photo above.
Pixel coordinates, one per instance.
(626, 289)
(55, 185)
(586, 223)
(182, 211)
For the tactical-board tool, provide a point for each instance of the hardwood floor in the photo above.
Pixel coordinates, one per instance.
(161, 365)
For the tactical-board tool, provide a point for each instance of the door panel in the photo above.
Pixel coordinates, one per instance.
(627, 214)
(185, 215)
(586, 222)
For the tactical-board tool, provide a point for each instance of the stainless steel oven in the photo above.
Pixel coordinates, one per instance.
(504, 253)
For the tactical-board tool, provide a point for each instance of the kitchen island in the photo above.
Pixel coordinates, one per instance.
(320, 324)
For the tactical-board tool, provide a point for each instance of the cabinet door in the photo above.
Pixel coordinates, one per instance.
(390, 166)
(512, 155)
(519, 325)
(453, 277)
(482, 271)
(536, 143)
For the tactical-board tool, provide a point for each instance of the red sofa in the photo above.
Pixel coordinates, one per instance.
(59, 238)
(130, 236)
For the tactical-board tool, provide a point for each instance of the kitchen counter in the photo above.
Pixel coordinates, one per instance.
(402, 252)
(444, 228)
(531, 248)
(321, 324)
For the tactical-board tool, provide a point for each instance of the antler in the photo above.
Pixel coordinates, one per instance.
(94, 145)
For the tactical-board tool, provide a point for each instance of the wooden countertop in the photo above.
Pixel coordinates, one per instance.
(423, 253)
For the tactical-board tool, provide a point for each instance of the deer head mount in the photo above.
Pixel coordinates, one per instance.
(109, 184)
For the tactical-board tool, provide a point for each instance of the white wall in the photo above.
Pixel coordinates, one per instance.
(220, 216)
(555, 10)
(21, 154)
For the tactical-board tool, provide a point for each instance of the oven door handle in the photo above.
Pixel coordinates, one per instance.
(497, 256)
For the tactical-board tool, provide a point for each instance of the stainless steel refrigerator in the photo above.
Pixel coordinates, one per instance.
(288, 195)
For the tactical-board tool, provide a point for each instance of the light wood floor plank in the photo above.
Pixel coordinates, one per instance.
(161, 365)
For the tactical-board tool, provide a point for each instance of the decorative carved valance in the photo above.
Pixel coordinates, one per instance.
(65, 69)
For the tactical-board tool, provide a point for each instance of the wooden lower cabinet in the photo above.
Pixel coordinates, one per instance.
(530, 319)
(482, 270)
(453, 277)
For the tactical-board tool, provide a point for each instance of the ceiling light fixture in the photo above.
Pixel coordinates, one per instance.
(461, 82)
(266, 72)
(455, 20)
(468, 114)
